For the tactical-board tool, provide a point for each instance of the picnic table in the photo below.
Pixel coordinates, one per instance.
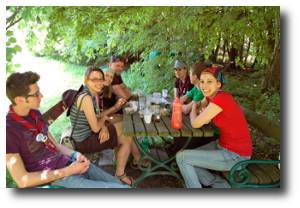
(135, 126)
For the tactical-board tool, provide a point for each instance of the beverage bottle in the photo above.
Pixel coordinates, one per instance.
(176, 121)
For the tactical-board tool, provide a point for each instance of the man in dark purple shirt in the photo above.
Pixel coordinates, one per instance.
(32, 155)
(182, 82)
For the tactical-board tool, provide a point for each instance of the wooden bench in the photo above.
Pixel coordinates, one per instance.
(257, 173)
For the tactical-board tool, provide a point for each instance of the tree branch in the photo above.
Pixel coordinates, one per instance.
(13, 23)
(10, 21)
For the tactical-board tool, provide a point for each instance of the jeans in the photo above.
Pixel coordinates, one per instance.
(195, 164)
(93, 178)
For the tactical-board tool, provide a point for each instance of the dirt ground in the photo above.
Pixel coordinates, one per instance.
(150, 182)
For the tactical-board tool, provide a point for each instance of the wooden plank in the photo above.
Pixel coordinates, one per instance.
(138, 125)
(185, 130)
(128, 128)
(161, 128)
(150, 128)
(196, 132)
(207, 130)
(54, 112)
(167, 122)
(260, 175)
(271, 170)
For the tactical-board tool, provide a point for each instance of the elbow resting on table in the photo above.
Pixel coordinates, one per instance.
(197, 124)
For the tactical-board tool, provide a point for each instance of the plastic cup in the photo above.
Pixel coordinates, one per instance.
(147, 118)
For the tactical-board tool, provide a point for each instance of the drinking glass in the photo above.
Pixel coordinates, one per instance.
(165, 93)
(142, 102)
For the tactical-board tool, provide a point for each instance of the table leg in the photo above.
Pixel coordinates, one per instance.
(169, 165)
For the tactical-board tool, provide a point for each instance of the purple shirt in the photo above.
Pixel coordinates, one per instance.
(35, 155)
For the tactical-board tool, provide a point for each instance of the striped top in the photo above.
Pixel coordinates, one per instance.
(82, 128)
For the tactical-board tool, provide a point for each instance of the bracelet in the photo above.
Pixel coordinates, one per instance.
(73, 155)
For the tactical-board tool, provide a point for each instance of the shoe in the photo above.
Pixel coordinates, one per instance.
(123, 176)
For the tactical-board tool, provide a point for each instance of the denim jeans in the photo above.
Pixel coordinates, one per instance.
(93, 178)
(195, 164)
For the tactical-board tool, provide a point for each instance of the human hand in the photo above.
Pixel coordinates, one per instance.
(81, 158)
(78, 167)
(103, 135)
(120, 102)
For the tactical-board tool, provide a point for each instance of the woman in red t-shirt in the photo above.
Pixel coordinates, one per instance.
(234, 143)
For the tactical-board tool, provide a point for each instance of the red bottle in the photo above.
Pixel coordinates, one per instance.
(176, 122)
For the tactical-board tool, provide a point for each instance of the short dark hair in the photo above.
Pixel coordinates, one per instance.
(197, 68)
(17, 84)
(116, 58)
(90, 69)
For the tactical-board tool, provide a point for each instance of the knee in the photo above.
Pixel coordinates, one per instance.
(125, 140)
(180, 157)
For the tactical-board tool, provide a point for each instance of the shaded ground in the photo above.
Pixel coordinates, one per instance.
(150, 182)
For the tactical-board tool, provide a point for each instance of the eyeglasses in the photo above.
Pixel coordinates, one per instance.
(96, 80)
(37, 94)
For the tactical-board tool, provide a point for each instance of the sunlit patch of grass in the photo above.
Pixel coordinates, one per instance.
(9, 181)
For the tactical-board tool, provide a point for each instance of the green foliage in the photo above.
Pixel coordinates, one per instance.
(12, 48)
(151, 75)
(9, 181)
(249, 94)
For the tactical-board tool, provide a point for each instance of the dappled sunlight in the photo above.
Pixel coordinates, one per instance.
(44, 175)
(11, 162)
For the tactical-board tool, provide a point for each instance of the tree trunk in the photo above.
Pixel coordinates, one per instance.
(272, 76)
(232, 53)
(268, 127)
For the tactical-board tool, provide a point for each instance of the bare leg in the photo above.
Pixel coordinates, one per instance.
(123, 151)
(134, 149)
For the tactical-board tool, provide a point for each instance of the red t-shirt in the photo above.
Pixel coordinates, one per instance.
(234, 131)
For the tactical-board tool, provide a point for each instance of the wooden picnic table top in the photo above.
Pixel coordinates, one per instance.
(135, 126)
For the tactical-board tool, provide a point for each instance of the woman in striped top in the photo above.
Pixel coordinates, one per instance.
(92, 131)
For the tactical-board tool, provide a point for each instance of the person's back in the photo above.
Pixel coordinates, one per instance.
(234, 131)
(80, 126)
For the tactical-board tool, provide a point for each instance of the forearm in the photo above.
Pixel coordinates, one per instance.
(193, 115)
(184, 98)
(101, 122)
(31, 179)
(186, 109)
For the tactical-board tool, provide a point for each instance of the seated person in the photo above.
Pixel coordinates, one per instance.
(91, 130)
(195, 94)
(182, 82)
(118, 87)
(117, 119)
(234, 144)
(33, 157)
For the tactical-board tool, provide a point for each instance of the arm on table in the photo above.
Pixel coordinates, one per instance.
(198, 120)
